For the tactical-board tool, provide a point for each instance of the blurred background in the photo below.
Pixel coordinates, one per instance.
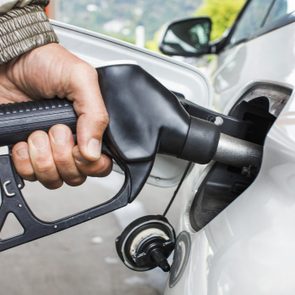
(140, 22)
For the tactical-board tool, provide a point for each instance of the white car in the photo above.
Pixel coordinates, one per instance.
(234, 226)
(242, 233)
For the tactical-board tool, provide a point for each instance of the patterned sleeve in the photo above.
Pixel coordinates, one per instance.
(23, 27)
(6, 5)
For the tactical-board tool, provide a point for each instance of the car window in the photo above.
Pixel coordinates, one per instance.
(251, 20)
(280, 9)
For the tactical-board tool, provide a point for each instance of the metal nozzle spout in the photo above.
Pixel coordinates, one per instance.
(237, 152)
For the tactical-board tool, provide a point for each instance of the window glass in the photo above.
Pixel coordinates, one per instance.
(251, 20)
(280, 9)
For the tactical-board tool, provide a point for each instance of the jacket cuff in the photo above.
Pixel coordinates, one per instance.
(23, 29)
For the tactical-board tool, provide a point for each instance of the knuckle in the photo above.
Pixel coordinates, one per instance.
(104, 119)
(40, 158)
(43, 166)
(75, 181)
(20, 151)
(105, 172)
(101, 169)
(62, 158)
(26, 173)
(101, 120)
(94, 171)
(52, 184)
(86, 170)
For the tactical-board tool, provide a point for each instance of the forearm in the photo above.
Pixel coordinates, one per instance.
(22, 28)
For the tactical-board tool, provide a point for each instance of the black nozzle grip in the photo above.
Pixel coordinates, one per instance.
(19, 120)
(201, 142)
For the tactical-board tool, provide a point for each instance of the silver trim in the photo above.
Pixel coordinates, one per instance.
(5, 184)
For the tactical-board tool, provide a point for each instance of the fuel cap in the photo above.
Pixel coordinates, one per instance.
(146, 243)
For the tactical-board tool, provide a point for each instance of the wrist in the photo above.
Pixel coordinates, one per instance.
(22, 30)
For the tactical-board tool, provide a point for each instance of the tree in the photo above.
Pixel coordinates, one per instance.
(222, 12)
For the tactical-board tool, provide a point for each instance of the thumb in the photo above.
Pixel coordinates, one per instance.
(88, 103)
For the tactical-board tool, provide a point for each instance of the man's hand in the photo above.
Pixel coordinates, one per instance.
(52, 158)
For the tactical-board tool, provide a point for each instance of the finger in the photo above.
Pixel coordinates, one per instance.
(22, 162)
(99, 168)
(62, 143)
(42, 160)
(85, 93)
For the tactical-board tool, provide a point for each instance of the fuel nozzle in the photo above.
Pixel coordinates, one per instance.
(205, 142)
(146, 118)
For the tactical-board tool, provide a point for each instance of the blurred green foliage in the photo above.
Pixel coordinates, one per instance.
(153, 44)
(222, 12)
(152, 14)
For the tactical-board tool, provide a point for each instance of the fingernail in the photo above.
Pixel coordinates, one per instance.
(39, 141)
(22, 154)
(59, 135)
(94, 148)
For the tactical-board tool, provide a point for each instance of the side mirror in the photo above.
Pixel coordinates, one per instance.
(188, 37)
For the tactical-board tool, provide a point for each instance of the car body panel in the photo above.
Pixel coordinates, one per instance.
(266, 58)
(247, 248)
